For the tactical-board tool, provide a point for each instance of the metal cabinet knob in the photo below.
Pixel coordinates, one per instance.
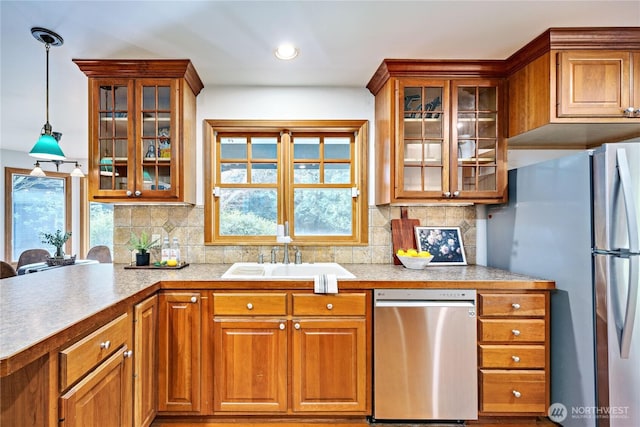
(105, 345)
(296, 325)
(515, 332)
(129, 193)
(515, 359)
(447, 194)
(515, 306)
(329, 306)
(516, 393)
(456, 193)
(282, 326)
(249, 306)
(194, 299)
(138, 193)
(127, 354)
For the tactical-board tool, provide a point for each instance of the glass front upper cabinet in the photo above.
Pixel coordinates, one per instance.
(142, 130)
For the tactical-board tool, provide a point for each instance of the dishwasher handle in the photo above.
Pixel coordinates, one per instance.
(424, 303)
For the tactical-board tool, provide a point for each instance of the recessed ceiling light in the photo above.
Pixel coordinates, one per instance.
(286, 51)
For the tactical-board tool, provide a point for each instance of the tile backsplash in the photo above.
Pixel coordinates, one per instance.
(187, 224)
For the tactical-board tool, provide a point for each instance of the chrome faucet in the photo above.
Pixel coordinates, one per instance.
(282, 236)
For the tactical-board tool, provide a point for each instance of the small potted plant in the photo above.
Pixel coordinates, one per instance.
(142, 244)
(57, 239)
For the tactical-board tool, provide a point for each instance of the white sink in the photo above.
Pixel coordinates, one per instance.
(253, 270)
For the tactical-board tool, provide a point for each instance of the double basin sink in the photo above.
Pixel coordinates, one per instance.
(254, 270)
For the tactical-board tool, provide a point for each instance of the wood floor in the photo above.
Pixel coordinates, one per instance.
(359, 423)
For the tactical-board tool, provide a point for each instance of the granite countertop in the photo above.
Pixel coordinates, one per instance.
(40, 311)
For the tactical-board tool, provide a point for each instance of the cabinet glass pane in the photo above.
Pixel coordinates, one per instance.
(412, 178)
(487, 150)
(487, 125)
(433, 179)
(433, 127)
(412, 99)
(473, 178)
(467, 99)
(487, 99)
(466, 125)
(412, 127)
(466, 149)
(164, 98)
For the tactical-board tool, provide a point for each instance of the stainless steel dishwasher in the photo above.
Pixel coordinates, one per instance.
(425, 354)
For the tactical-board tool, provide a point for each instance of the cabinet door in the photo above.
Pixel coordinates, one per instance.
(593, 83)
(477, 152)
(422, 139)
(179, 345)
(156, 138)
(102, 398)
(111, 146)
(329, 371)
(250, 365)
(145, 382)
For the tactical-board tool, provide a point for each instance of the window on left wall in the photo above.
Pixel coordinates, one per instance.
(35, 205)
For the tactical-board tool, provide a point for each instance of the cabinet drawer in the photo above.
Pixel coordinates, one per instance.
(251, 304)
(513, 391)
(329, 305)
(507, 330)
(77, 359)
(512, 356)
(512, 305)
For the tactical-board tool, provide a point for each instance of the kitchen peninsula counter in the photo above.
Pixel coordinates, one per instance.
(42, 311)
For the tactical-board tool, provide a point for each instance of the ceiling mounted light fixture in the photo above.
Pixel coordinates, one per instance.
(47, 146)
(286, 51)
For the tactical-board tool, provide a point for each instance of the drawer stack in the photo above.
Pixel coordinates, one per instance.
(513, 353)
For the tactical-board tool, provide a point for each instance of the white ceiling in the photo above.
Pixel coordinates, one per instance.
(231, 43)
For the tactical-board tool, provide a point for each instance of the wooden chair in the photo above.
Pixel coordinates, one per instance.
(7, 270)
(32, 255)
(100, 253)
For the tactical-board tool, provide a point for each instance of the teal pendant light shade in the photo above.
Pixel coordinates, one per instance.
(47, 148)
(47, 145)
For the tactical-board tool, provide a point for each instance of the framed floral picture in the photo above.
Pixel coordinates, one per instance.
(444, 243)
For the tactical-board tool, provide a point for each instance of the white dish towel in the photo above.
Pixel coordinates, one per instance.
(325, 284)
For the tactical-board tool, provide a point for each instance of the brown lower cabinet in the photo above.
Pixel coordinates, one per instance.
(290, 353)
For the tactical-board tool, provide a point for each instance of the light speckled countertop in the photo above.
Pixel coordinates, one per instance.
(39, 311)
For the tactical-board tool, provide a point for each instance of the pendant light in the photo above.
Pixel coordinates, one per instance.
(47, 145)
(47, 148)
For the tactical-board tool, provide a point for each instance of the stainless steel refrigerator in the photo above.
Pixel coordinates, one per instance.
(575, 220)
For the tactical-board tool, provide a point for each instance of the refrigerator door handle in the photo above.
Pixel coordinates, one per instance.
(634, 261)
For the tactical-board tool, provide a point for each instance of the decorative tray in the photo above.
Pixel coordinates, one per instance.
(153, 267)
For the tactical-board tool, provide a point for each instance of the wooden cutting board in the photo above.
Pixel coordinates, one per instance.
(403, 234)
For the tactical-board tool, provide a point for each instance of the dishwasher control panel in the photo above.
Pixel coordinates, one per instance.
(426, 294)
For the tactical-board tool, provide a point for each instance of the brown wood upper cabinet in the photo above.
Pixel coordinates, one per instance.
(439, 132)
(142, 129)
(575, 88)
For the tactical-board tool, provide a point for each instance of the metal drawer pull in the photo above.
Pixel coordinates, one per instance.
(515, 359)
(296, 325)
(127, 354)
(194, 299)
(515, 332)
(249, 306)
(105, 345)
(515, 306)
(282, 326)
(329, 306)
(516, 393)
